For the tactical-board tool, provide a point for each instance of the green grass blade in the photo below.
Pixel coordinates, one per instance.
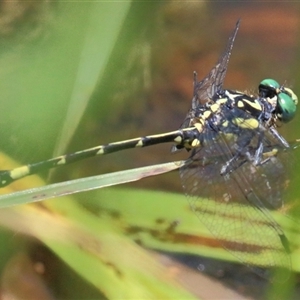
(104, 25)
(85, 184)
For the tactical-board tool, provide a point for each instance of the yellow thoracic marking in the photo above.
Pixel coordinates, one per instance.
(246, 123)
(254, 104)
(221, 101)
(206, 114)
(225, 123)
(230, 136)
(240, 104)
(199, 126)
(178, 140)
(229, 95)
(19, 172)
(195, 143)
(214, 107)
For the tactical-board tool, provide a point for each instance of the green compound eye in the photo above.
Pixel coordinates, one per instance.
(268, 88)
(286, 105)
(286, 99)
(270, 83)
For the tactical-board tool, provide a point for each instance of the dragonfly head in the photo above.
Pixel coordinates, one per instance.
(283, 99)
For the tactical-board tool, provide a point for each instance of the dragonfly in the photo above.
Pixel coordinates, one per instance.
(237, 165)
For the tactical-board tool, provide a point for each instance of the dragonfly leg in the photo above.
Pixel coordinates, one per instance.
(240, 148)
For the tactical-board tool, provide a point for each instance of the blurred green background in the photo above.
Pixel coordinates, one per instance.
(77, 74)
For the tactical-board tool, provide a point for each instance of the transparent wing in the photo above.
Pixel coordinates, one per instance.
(205, 89)
(233, 206)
